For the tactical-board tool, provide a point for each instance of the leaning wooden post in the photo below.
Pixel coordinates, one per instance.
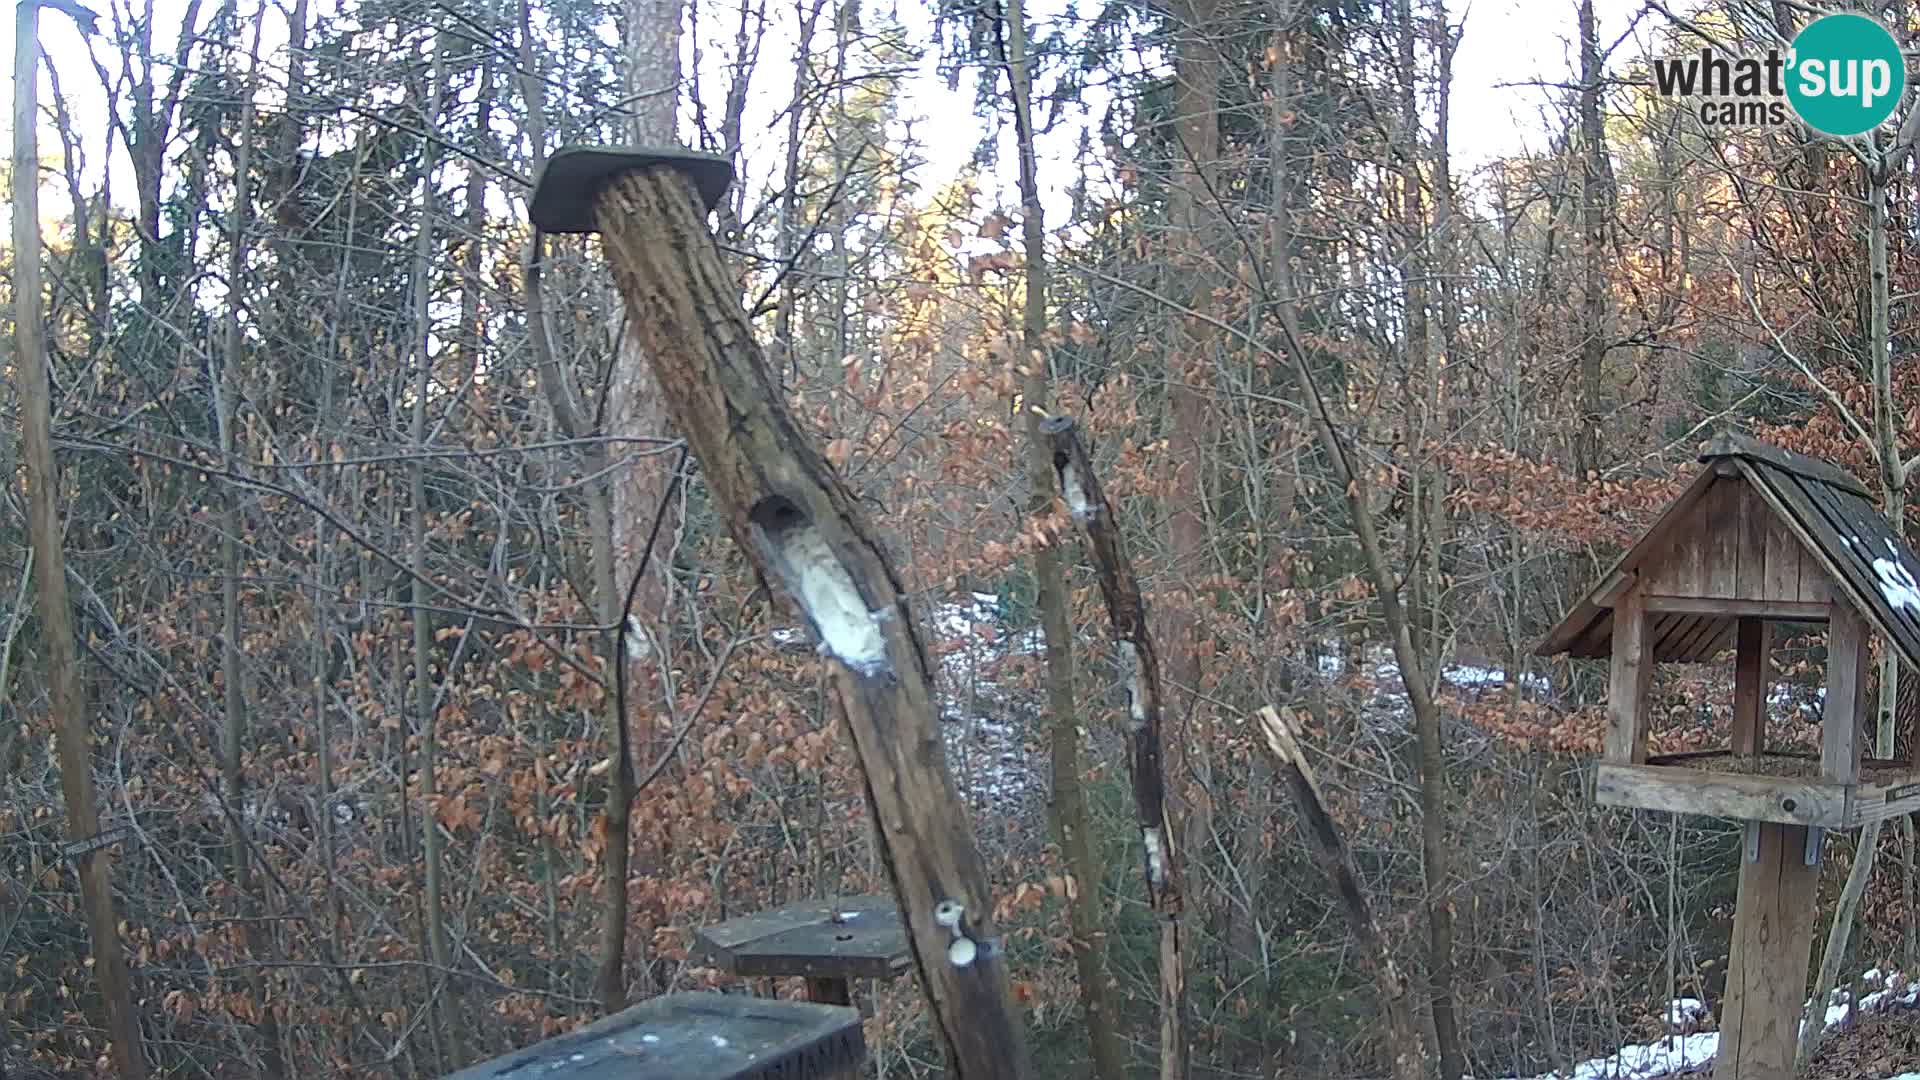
(1336, 861)
(1140, 670)
(802, 529)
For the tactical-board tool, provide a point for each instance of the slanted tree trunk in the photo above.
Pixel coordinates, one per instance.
(1330, 851)
(1069, 796)
(802, 528)
(1329, 423)
(66, 697)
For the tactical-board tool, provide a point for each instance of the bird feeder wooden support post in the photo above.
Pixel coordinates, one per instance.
(710, 1036)
(1761, 536)
(803, 530)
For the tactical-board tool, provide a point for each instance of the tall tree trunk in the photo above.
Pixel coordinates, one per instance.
(1069, 796)
(1893, 491)
(1196, 68)
(426, 715)
(226, 397)
(66, 697)
(1427, 506)
(790, 257)
(635, 407)
(1595, 199)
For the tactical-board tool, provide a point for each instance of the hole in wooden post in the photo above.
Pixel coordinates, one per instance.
(1789, 805)
(806, 564)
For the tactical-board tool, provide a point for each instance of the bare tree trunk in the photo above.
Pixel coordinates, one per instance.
(808, 12)
(635, 406)
(1069, 797)
(439, 951)
(1196, 96)
(1146, 710)
(66, 696)
(226, 395)
(1595, 198)
(1893, 483)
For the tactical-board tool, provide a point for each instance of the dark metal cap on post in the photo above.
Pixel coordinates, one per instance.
(572, 179)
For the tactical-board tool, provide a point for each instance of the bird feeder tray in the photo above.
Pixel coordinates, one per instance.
(1783, 788)
(828, 942)
(565, 192)
(711, 1036)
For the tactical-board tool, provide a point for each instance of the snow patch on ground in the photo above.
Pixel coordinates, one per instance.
(1680, 1052)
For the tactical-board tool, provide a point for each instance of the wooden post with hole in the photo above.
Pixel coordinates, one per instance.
(804, 531)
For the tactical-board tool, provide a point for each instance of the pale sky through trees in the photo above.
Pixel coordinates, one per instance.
(1508, 44)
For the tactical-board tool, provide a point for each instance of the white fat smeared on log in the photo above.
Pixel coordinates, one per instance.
(1075, 489)
(1136, 685)
(1156, 856)
(848, 631)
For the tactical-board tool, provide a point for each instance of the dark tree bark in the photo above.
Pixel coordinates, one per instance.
(1146, 703)
(803, 529)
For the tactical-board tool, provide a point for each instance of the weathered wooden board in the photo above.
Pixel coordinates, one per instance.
(1886, 799)
(1842, 711)
(1631, 675)
(1682, 790)
(855, 938)
(710, 1036)
(1767, 966)
(1750, 682)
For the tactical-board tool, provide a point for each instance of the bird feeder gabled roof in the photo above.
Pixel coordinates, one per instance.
(1756, 515)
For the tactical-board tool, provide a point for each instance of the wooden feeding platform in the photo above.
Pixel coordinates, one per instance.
(1784, 788)
(829, 942)
(1761, 536)
(709, 1036)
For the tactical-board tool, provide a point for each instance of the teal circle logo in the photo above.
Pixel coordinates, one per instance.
(1846, 75)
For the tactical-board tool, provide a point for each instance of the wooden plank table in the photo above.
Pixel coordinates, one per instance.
(710, 1036)
(829, 942)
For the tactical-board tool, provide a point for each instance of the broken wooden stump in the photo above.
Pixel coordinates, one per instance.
(1336, 861)
(1139, 667)
(829, 943)
(711, 1036)
(805, 532)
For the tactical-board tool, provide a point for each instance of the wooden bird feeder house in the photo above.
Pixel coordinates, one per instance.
(1762, 536)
